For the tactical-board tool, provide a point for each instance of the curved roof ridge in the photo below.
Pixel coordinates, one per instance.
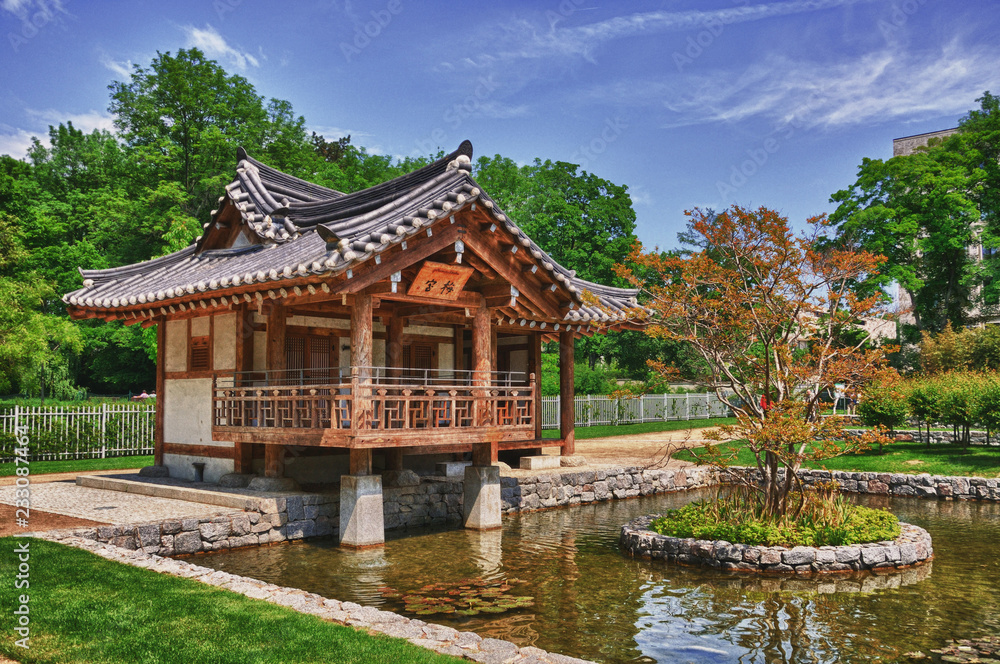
(269, 175)
(366, 200)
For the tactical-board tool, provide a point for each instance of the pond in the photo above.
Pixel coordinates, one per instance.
(591, 601)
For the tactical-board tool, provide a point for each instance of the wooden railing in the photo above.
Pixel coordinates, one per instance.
(372, 400)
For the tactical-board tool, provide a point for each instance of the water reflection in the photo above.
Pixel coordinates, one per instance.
(593, 602)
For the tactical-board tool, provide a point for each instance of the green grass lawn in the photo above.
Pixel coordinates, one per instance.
(976, 461)
(87, 609)
(583, 433)
(69, 466)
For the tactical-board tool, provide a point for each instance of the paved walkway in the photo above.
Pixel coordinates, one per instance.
(68, 499)
(42, 478)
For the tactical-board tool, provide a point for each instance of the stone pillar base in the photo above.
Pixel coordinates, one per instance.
(481, 508)
(361, 520)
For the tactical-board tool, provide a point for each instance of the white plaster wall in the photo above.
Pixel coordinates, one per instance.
(187, 414)
(200, 326)
(187, 419)
(429, 330)
(224, 351)
(446, 357)
(175, 358)
(181, 468)
(519, 361)
(259, 351)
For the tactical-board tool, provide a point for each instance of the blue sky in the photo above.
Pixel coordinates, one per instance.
(688, 103)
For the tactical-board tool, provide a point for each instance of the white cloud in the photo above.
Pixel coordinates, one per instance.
(214, 45)
(87, 122)
(27, 9)
(15, 143)
(887, 85)
(331, 133)
(524, 39)
(122, 69)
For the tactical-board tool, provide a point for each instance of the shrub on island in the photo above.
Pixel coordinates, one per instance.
(823, 520)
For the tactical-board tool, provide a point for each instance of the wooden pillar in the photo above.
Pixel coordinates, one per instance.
(274, 460)
(244, 339)
(361, 362)
(361, 461)
(243, 458)
(394, 458)
(276, 339)
(394, 346)
(535, 367)
(481, 362)
(485, 454)
(161, 396)
(459, 349)
(567, 410)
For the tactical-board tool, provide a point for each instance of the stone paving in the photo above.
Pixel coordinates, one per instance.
(68, 499)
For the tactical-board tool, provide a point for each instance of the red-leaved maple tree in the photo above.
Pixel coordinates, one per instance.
(775, 319)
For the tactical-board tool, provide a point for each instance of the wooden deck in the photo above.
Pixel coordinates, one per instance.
(373, 412)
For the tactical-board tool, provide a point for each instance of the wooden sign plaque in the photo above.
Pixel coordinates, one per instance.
(440, 281)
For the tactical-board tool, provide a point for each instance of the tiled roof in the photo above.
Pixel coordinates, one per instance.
(305, 230)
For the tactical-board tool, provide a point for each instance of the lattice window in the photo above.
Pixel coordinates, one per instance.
(201, 354)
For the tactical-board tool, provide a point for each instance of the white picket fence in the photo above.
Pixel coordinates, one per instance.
(79, 432)
(604, 410)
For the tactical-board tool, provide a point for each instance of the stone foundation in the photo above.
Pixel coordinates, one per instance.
(912, 547)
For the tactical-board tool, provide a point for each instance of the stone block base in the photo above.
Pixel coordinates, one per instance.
(361, 516)
(451, 468)
(481, 505)
(539, 462)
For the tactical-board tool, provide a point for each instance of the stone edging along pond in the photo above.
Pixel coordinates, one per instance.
(912, 547)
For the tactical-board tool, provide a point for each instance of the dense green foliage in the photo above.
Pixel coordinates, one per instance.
(104, 199)
(825, 520)
(923, 211)
(900, 457)
(87, 609)
(966, 349)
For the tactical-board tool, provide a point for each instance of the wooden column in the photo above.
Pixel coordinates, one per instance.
(276, 338)
(274, 460)
(361, 461)
(394, 346)
(535, 367)
(161, 397)
(459, 348)
(361, 361)
(567, 410)
(482, 360)
(243, 452)
(394, 458)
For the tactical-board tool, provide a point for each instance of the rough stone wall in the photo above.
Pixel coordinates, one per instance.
(546, 491)
(937, 437)
(913, 546)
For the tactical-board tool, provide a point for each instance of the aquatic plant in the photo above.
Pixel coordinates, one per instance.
(468, 597)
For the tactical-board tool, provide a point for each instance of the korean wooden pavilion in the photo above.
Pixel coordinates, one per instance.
(365, 331)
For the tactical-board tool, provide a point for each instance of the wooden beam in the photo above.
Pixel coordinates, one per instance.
(567, 410)
(509, 268)
(370, 273)
(161, 384)
(210, 451)
(274, 461)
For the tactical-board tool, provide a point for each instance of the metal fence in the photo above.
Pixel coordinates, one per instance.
(79, 432)
(609, 411)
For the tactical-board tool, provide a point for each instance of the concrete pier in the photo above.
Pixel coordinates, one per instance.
(361, 520)
(481, 508)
